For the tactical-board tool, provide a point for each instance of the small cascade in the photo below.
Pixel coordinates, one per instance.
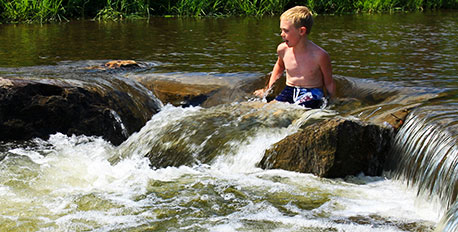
(195, 135)
(450, 221)
(119, 123)
(426, 153)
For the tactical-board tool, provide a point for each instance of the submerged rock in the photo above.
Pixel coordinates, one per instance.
(181, 93)
(333, 148)
(32, 108)
(116, 64)
(394, 118)
(184, 136)
(199, 89)
(121, 63)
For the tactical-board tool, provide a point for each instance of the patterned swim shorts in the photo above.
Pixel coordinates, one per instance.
(307, 97)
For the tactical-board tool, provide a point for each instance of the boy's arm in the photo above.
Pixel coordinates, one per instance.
(277, 72)
(326, 70)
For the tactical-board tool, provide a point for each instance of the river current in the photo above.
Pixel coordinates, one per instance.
(81, 183)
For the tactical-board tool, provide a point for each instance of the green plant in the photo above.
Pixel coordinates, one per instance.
(32, 10)
(55, 10)
(120, 9)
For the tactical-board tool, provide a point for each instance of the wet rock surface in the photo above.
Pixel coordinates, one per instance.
(32, 107)
(199, 90)
(115, 104)
(116, 64)
(333, 148)
(210, 133)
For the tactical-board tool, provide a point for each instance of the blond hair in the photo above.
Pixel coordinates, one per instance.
(299, 16)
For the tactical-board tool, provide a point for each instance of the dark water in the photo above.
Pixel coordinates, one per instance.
(402, 59)
(418, 49)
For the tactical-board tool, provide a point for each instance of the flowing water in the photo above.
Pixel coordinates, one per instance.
(382, 62)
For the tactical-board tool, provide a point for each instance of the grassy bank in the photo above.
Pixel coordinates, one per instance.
(58, 10)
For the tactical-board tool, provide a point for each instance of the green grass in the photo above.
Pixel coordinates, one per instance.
(31, 10)
(228, 7)
(120, 9)
(58, 10)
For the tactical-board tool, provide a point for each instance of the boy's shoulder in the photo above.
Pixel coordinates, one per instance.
(317, 48)
(281, 48)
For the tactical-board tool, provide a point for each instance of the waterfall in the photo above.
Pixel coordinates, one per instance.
(186, 136)
(119, 123)
(450, 221)
(426, 156)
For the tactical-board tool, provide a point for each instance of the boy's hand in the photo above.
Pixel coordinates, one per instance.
(259, 93)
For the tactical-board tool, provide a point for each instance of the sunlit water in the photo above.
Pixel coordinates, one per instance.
(69, 183)
(87, 184)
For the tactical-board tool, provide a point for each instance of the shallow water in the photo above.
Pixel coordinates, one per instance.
(85, 183)
(68, 183)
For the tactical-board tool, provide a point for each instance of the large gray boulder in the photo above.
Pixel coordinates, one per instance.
(332, 148)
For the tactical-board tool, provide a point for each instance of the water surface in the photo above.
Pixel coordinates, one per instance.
(85, 183)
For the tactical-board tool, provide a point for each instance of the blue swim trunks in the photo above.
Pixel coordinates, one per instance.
(307, 97)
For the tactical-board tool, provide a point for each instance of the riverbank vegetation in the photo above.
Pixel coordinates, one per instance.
(58, 10)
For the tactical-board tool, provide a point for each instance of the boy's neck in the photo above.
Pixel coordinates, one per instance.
(302, 45)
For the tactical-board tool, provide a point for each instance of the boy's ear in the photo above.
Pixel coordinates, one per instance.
(303, 30)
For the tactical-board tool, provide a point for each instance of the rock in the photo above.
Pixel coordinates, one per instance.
(121, 63)
(190, 138)
(180, 93)
(332, 148)
(199, 90)
(194, 89)
(394, 118)
(117, 64)
(32, 108)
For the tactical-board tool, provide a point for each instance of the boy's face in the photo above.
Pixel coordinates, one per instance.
(290, 34)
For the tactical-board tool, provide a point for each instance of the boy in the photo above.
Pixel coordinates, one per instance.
(308, 66)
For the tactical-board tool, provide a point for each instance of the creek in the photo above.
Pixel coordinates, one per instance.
(83, 183)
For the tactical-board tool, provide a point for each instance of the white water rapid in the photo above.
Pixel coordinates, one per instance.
(86, 184)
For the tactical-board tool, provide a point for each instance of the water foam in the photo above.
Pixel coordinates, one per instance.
(69, 183)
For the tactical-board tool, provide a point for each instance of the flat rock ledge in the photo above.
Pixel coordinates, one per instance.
(199, 90)
(332, 148)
